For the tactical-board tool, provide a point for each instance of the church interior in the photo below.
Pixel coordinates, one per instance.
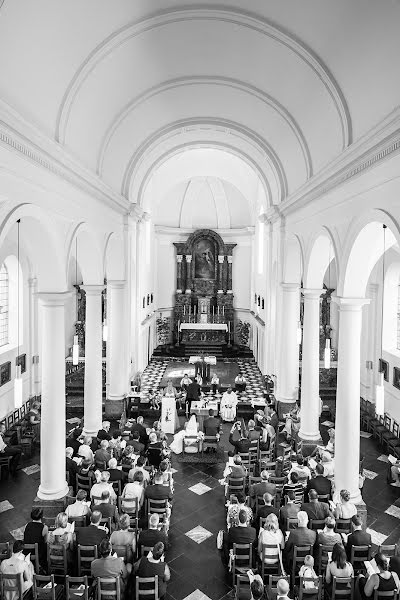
(207, 190)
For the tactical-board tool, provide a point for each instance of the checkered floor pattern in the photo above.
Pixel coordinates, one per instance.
(253, 375)
(152, 376)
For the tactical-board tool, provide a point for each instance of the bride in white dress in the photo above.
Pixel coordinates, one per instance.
(191, 428)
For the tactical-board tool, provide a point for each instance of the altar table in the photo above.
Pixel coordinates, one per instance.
(201, 411)
(203, 332)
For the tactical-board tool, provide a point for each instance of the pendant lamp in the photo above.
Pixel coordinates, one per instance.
(380, 386)
(75, 347)
(18, 374)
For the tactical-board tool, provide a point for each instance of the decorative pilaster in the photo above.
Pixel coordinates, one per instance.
(52, 424)
(188, 274)
(179, 258)
(34, 371)
(116, 347)
(221, 259)
(230, 261)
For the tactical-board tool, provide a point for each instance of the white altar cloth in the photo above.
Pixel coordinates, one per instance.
(204, 326)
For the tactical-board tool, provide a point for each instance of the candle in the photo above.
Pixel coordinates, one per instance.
(223, 310)
(218, 310)
(213, 310)
(184, 309)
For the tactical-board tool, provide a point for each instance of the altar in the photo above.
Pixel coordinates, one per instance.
(203, 332)
(201, 408)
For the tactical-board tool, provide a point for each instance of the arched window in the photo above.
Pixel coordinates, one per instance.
(4, 304)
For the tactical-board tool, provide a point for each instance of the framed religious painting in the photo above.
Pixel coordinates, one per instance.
(20, 361)
(384, 367)
(5, 373)
(396, 377)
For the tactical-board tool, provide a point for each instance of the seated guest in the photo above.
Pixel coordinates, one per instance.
(241, 533)
(259, 489)
(384, 581)
(98, 488)
(86, 470)
(165, 470)
(73, 440)
(93, 533)
(102, 455)
(321, 484)
(138, 426)
(62, 535)
(270, 534)
(36, 533)
(301, 469)
(267, 435)
(17, 565)
(238, 438)
(228, 405)
(302, 536)
(108, 510)
(71, 467)
(129, 457)
(282, 588)
(337, 567)
(315, 510)
(115, 473)
(307, 571)
(140, 466)
(253, 433)
(124, 537)
(154, 564)
(289, 511)
(154, 534)
(328, 464)
(135, 489)
(154, 451)
(293, 485)
(211, 425)
(328, 537)
(158, 491)
(266, 509)
(214, 383)
(114, 445)
(109, 566)
(234, 506)
(80, 507)
(85, 450)
(235, 471)
(240, 383)
(345, 509)
(272, 417)
(103, 433)
(136, 444)
(358, 537)
(185, 382)
(10, 450)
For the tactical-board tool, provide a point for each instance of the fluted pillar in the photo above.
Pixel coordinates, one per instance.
(221, 258)
(116, 347)
(347, 427)
(179, 258)
(309, 428)
(52, 425)
(93, 392)
(188, 274)
(288, 383)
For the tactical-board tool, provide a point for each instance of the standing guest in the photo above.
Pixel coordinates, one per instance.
(270, 534)
(345, 509)
(16, 565)
(154, 564)
(316, 510)
(154, 534)
(36, 533)
(124, 536)
(71, 467)
(115, 473)
(228, 405)
(358, 537)
(185, 382)
(80, 507)
(135, 489)
(214, 383)
(102, 455)
(109, 566)
(192, 395)
(138, 426)
(328, 536)
(321, 484)
(103, 433)
(13, 451)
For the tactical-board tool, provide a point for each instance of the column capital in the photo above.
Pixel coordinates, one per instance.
(312, 293)
(350, 304)
(230, 259)
(189, 258)
(32, 281)
(53, 298)
(179, 258)
(93, 290)
(116, 283)
(221, 258)
(290, 287)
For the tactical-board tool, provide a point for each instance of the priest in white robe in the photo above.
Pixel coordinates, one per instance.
(228, 405)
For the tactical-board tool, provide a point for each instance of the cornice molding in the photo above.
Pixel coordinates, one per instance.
(240, 18)
(19, 136)
(185, 232)
(207, 80)
(372, 149)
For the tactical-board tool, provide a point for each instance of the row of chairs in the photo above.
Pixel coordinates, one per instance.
(385, 429)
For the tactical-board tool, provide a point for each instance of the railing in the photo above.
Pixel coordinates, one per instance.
(210, 318)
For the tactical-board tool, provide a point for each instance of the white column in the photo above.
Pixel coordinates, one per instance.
(93, 360)
(288, 382)
(116, 343)
(34, 376)
(309, 428)
(221, 258)
(347, 438)
(52, 426)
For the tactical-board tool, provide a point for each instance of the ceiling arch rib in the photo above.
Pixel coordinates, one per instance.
(211, 133)
(220, 202)
(218, 81)
(236, 17)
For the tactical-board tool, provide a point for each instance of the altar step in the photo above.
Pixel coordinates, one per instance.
(207, 349)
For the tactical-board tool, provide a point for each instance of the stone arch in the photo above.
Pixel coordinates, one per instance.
(114, 260)
(89, 255)
(322, 250)
(293, 260)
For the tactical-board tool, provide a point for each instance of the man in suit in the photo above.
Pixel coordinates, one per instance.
(315, 510)
(152, 535)
(154, 450)
(266, 509)
(192, 395)
(254, 433)
(116, 474)
(302, 536)
(289, 510)
(273, 417)
(322, 485)
(242, 444)
(138, 426)
(158, 491)
(71, 467)
(241, 534)
(102, 455)
(211, 425)
(107, 509)
(136, 444)
(259, 489)
(93, 534)
(358, 537)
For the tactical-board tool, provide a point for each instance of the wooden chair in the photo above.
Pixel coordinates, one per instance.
(101, 465)
(5, 551)
(33, 549)
(191, 444)
(385, 595)
(388, 433)
(343, 526)
(83, 482)
(388, 549)
(242, 591)
(117, 486)
(272, 591)
(342, 588)
(291, 523)
(145, 587)
(269, 466)
(236, 485)
(79, 521)
(144, 550)
(86, 554)
(323, 558)
(107, 521)
(157, 506)
(315, 592)
(122, 552)
(324, 498)
(242, 558)
(25, 441)
(5, 462)
(299, 554)
(130, 506)
(51, 592)
(108, 587)
(358, 555)
(316, 524)
(11, 585)
(394, 441)
(209, 441)
(76, 588)
(95, 500)
(57, 559)
(245, 456)
(268, 552)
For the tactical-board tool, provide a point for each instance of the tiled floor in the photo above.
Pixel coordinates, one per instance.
(198, 514)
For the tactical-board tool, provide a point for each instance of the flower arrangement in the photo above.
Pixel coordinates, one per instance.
(243, 332)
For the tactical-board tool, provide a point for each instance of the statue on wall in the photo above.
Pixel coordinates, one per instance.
(204, 254)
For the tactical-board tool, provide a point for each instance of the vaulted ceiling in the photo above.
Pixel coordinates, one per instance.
(124, 86)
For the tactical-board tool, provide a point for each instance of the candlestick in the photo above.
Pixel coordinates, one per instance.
(184, 309)
(223, 310)
(218, 310)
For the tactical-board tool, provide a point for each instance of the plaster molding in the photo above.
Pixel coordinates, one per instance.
(21, 137)
(370, 150)
(184, 233)
(238, 18)
(234, 129)
(206, 80)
